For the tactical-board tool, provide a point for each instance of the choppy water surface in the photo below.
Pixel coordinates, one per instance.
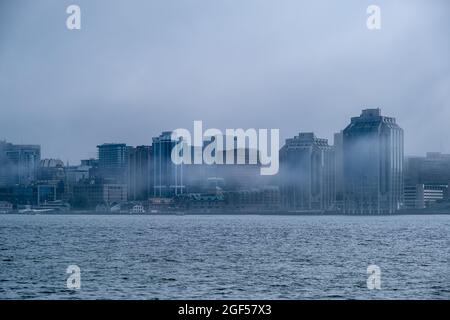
(228, 257)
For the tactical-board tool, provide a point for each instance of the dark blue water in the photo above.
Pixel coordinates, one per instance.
(228, 257)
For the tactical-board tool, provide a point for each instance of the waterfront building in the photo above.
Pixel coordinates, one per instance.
(307, 173)
(422, 196)
(19, 194)
(338, 147)
(75, 174)
(373, 164)
(51, 170)
(139, 173)
(5, 207)
(113, 162)
(167, 177)
(45, 193)
(199, 202)
(431, 170)
(18, 163)
(89, 194)
(264, 198)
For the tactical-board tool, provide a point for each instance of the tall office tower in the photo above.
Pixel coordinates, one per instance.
(167, 177)
(113, 162)
(307, 173)
(18, 163)
(339, 169)
(139, 168)
(373, 164)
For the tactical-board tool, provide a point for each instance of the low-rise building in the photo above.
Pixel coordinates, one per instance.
(5, 207)
(422, 196)
(89, 194)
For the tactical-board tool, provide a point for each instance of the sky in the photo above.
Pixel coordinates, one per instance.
(137, 68)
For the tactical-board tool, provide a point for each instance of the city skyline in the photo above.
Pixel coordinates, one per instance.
(93, 154)
(361, 173)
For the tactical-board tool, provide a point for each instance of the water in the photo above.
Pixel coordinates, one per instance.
(224, 257)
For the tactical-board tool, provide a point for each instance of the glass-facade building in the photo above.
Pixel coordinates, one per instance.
(139, 173)
(18, 163)
(113, 162)
(307, 173)
(167, 177)
(373, 164)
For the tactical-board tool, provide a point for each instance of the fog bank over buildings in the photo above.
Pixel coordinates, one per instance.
(137, 68)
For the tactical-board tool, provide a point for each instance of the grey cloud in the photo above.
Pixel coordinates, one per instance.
(140, 67)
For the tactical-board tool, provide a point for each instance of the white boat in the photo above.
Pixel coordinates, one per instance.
(34, 211)
(29, 210)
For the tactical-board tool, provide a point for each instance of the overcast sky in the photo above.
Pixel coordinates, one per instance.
(137, 68)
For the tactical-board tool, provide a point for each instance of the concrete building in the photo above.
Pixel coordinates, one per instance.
(167, 178)
(307, 173)
(52, 177)
(114, 193)
(18, 163)
(339, 169)
(89, 194)
(373, 164)
(139, 173)
(46, 193)
(201, 202)
(422, 196)
(51, 170)
(5, 207)
(75, 174)
(113, 162)
(258, 199)
(431, 170)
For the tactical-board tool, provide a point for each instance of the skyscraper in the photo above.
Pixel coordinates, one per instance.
(339, 169)
(139, 169)
(18, 163)
(167, 177)
(373, 164)
(307, 173)
(113, 162)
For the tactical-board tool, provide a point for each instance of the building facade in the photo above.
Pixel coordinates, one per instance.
(113, 162)
(433, 171)
(307, 173)
(139, 173)
(339, 169)
(167, 177)
(89, 194)
(422, 196)
(373, 164)
(18, 163)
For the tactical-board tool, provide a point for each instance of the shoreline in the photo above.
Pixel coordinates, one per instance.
(224, 213)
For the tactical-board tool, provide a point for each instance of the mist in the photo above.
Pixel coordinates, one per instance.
(138, 68)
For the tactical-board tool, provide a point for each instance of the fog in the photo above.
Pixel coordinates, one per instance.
(137, 68)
